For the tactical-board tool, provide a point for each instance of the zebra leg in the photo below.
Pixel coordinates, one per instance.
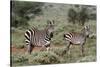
(29, 48)
(68, 48)
(47, 47)
(42, 48)
(82, 50)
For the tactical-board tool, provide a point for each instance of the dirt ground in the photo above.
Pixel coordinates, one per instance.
(14, 49)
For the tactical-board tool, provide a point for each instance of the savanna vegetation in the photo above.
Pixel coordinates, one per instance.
(67, 18)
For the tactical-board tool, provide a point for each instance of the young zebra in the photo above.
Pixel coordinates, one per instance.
(39, 38)
(75, 38)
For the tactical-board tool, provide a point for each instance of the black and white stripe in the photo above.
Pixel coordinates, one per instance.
(39, 38)
(76, 38)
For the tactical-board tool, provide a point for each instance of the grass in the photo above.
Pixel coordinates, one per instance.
(54, 56)
(35, 58)
(17, 38)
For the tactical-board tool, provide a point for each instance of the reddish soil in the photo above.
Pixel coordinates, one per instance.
(14, 49)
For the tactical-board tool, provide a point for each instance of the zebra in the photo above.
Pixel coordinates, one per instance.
(77, 38)
(39, 38)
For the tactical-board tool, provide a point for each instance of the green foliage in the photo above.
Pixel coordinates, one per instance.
(58, 51)
(17, 38)
(19, 21)
(87, 59)
(72, 15)
(44, 58)
(19, 59)
(78, 16)
(83, 16)
(22, 12)
(92, 16)
(35, 58)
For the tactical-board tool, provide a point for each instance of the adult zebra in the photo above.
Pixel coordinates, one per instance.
(77, 38)
(39, 38)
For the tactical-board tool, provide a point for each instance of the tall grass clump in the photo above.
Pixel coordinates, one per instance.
(44, 57)
(19, 60)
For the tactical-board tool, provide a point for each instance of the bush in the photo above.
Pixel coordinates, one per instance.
(83, 16)
(80, 16)
(22, 11)
(18, 21)
(19, 59)
(72, 14)
(58, 51)
(87, 59)
(44, 58)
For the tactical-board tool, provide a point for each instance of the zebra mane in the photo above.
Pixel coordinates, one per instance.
(34, 28)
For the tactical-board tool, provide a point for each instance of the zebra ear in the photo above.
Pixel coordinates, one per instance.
(53, 21)
(87, 27)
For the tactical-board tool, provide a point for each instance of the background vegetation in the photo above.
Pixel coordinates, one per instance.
(67, 18)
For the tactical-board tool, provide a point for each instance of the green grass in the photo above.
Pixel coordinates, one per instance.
(17, 38)
(35, 58)
(54, 56)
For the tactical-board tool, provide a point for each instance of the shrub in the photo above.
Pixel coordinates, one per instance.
(72, 14)
(80, 16)
(58, 51)
(83, 16)
(18, 59)
(44, 58)
(22, 11)
(87, 59)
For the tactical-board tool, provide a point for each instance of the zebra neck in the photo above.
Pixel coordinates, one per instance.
(47, 37)
(83, 33)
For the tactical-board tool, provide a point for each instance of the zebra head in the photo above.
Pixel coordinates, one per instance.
(50, 28)
(86, 30)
